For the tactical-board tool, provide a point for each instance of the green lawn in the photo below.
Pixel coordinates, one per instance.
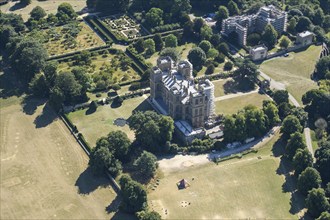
(294, 71)
(235, 189)
(100, 123)
(233, 105)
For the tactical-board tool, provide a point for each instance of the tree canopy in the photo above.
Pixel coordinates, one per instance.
(146, 163)
(308, 180)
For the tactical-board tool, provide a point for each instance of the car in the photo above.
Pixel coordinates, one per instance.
(286, 55)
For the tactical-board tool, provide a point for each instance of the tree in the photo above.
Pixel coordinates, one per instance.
(210, 69)
(281, 96)
(213, 53)
(171, 52)
(295, 142)
(253, 39)
(101, 159)
(144, 215)
(269, 36)
(180, 7)
(303, 24)
(68, 85)
(197, 57)
(134, 196)
(149, 45)
(222, 14)
(316, 202)
(271, 111)
(308, 180)
(291, 28)
(146, 164)
(229, 129)
(248, 72)
(324, 216)
(206, 32)
(322, 156)
(301, 160)
(198, 24)
(285, 42)
(37, 13)
(65, 13)
(205, 45)
(318, 17)
(233, 8)
(215, 40)
(223, 48)
(228, 66)
(159, 43)
(109, 6)
(119, 144)
(39, 86)
(300, 113)
(28, 58)
(171, 41)
(154, 17)
(56, 98)
(256, 121)
(50, 71)
(290, 125)
(188, 30)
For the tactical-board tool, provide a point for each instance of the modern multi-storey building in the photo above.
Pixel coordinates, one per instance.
(174, 92)
(245, 24)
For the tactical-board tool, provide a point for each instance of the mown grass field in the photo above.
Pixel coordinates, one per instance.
(48, 6)
(44, 171)
(250, 187)
(233, 105)
(100, 123)
(294, 71)
(86, 38)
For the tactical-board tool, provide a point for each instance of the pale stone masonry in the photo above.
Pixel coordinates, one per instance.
(246, 24)
(173, 92)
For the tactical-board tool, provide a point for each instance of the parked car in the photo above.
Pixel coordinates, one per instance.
(286, 55)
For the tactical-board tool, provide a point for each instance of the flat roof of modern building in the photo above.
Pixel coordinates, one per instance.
(305, 34)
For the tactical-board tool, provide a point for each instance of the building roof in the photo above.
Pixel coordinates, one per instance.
(305, 34)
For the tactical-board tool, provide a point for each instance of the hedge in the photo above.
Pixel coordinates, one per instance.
(103, 33)
(138, 60)
(69, 122)
(84, 142)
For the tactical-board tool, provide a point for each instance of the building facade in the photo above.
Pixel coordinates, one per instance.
(245, 24)
(305, 38)
(258, 52)
(174, 92)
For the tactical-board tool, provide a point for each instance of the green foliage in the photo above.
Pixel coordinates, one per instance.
(171, 41)
(232, 8)
(116, 87)
(198, 24)
(197, 57)
(159, 43)
(291, 125)
(119, 144)
(222, 14)
(152, 130)
(171, 52)
(322, 67)
(317, 102)
(308, 180)
(65, 13)
(68, 85)
(247, 73)
(210, 69)
(303, 24)
(145, 215)
(281, 96)
(322, 156)
(93, 106)
(223, 48)
(285, 42)
(39, 86)
(146, 164)
(25, 2)
(316, 202)
(154, 17)
(228, 66)
(301, 160)
(206, 32)
(134, 196)
(37, 13)
(149, 45)
(269, 36)
(324, 216)
(271, 111)
(28, 58)
(253, 39)
(205, 45)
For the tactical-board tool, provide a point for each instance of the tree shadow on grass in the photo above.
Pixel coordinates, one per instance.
(87, 182)
(30, 104)
(17, 6)
(9, 84)
(235, 86)
(113, 207)
(46, 117)
(90, 111)
(279, 147)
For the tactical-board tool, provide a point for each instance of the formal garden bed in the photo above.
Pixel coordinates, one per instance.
(68, 38)
(123, 26)
(105, 68)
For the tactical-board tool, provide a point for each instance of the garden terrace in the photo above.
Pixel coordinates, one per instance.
(123, 27)
(71, 37)
(105, 69)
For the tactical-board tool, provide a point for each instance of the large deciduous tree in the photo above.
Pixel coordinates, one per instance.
(308, 180)
(269, 36)
(322, 163)
(301, 160)
(316, 202)
(197, 57)
(146, 163)
(291, 125)
(154, 17)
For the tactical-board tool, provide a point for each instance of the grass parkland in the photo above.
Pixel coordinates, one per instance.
(259, 184)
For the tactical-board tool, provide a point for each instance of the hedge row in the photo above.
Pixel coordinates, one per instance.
(238, 156)
(105, 28)
(139, 60)
(97, 28)
(166, 27)
(69, 122)
(84, 142)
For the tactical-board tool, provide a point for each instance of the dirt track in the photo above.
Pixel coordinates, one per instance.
(43, 170)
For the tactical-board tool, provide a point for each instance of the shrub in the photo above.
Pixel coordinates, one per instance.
(116, 87)
(210, 69)
(228, 66)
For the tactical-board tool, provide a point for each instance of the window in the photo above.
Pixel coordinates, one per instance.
(196, 111)
(196, 102)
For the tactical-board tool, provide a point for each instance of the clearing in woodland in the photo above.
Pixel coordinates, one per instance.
(254, 186)
(44, 171)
